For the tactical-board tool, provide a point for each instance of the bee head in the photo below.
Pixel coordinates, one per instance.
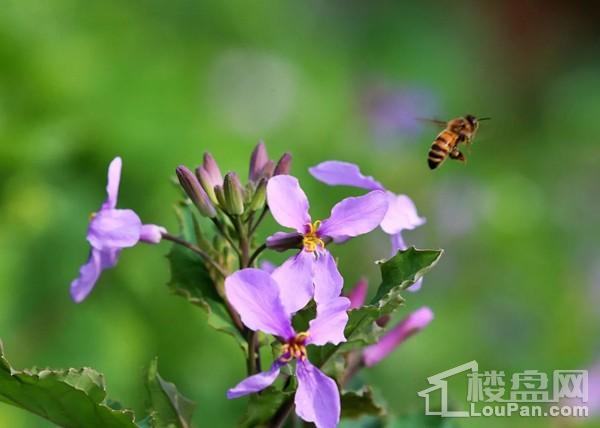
(472, 120)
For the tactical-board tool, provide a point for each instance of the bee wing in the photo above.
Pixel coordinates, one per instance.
(434, 121)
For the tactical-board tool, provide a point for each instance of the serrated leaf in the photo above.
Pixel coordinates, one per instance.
(397, 273)
(356, 404)
(191, 279)
(71, 398)
(404, 269)
(169, 409)
(263, 406)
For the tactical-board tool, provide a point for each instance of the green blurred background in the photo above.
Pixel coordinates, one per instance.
(159, 82)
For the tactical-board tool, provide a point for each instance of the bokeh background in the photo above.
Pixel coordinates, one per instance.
(159, 83)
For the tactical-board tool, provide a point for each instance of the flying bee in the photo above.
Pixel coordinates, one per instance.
(457, 131)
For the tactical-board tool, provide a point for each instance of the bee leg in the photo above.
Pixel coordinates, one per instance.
(457, 155)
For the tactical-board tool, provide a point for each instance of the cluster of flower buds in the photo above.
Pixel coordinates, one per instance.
(210, 191)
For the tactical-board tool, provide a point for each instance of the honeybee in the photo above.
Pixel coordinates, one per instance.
(457, 131)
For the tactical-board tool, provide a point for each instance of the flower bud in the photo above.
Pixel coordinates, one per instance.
(220, 195)
(207, 183)
(413, 323)
(358, 294)
(234, 194)
(258, 159)
(260, 196)
(267, 170)
(196, 193)
(212, 169)
(283, 165)
(283, 241)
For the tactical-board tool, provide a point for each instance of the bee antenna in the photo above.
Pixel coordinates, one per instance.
(483, 118)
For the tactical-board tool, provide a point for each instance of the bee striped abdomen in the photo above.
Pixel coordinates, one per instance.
(440, 148)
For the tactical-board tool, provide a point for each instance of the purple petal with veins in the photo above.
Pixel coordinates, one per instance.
(255, 296)
(294, 279)
(256, 382)
(401, 215)
(329, 325)
(355, 216)
(338, 173)
(327, 279)
(317, 397)
(288, 202)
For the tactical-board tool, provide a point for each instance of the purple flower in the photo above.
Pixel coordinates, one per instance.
(413, 323)
(109, 231)
(256, 296)
(313, 268)
(401, 213)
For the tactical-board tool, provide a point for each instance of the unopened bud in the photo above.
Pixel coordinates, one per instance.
(358, 295)
(267, 170)
(284, 165)
(413, 323)
(258, 159)
(207, 183)
(196, 193)
(260, 196)
(220, 195)
(212, 169)
(234, 194)
(283, 241)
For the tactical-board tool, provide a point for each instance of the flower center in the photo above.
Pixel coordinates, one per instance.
(311, 240)
(92, 215)
(294, 348)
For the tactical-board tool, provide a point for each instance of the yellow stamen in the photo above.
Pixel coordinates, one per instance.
(294, 348)
(92, 215)
(311, 240)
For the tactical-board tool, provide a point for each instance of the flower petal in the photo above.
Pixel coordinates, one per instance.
(151, 233)
(358, 295)
(398, 243)
(256, 382)
(317, 397)
(267, 266)
(329, 325)
(327, 279)
(255, 296)
(295, 280)
(287, 202)
(112, 187)
(401, 214)
(114, 229)
(338, 173)
(89, 273)
(355, 216)
(413, 323)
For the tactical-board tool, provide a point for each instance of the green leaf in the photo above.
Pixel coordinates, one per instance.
(71, 398)
(191, 279)
(397, 273)
(263, 406)
(356, 404)
(404, 269)
(169, 409)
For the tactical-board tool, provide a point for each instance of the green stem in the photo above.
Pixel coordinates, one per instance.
(256, 253)
(224, 233)
(259, 220)
(205, 256)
